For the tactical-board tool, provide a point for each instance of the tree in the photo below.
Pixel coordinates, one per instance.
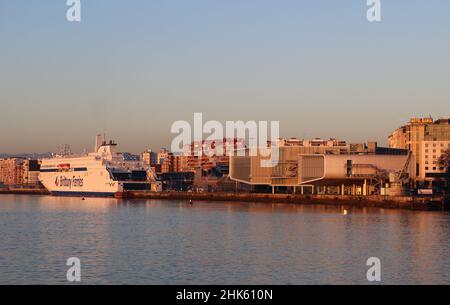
(444, 161)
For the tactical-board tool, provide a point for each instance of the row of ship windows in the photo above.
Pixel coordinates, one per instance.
(55, 170)
(73, 170)
(86, 175)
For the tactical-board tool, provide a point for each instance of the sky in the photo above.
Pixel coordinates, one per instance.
(131, 68)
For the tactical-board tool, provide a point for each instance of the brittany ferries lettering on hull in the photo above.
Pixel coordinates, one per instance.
(102, 173)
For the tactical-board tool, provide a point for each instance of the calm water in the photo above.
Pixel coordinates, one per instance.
(168, 242)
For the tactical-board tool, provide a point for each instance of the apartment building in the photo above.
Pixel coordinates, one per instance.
(18, 171)
(427, 140)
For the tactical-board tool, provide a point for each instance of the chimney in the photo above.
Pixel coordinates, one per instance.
(98, 142)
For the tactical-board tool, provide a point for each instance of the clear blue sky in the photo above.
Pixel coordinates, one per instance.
(131, 68)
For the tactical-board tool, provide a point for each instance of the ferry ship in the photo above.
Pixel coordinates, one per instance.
(103, 173)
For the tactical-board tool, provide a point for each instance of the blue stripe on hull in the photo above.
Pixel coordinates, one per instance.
(83, 194)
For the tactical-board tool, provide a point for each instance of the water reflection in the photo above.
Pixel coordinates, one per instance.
(172, 242)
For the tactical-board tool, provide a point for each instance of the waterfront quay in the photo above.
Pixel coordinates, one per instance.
(412, 173)
(389, 202)
(24, 191)
(429, 203)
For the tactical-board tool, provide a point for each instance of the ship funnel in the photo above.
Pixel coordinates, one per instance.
(98, 142)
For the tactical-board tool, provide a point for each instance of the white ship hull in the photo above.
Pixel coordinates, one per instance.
(104, 173)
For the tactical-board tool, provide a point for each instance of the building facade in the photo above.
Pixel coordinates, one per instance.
(11, 171)
(162, 155)
(149, 157)
(31, 170)
(427, 140)
(172, 164)
(327, 167)
(207, 155)
(18, 171)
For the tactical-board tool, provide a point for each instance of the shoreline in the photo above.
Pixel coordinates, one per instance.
(434, 203)
(17, 191)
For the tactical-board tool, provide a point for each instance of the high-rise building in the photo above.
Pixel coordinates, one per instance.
(208, 154)
(163, 154)
(427, 140)
(167, 164)
(149, 157)
(11, 171)
(18, 171)
(172, 164)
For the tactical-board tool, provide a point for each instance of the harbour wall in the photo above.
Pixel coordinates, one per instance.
(389, 202)
(377, 201)
(24, 191)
